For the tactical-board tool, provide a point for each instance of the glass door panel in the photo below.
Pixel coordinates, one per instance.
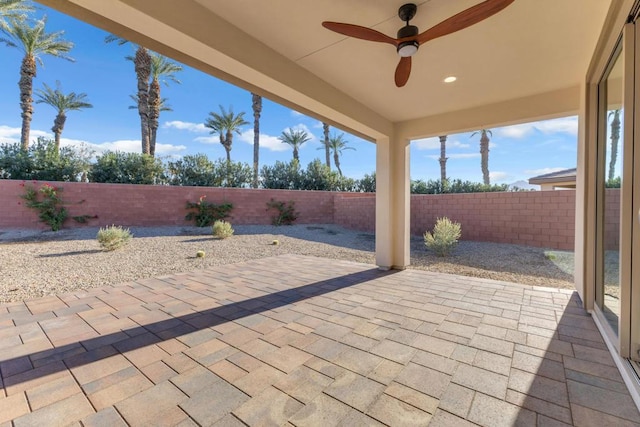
(610, 151)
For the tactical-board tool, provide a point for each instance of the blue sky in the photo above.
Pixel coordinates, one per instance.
(101, 71)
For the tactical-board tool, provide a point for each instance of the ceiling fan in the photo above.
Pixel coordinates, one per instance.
(409, 40)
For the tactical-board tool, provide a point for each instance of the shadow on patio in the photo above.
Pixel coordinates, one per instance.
(308, 341)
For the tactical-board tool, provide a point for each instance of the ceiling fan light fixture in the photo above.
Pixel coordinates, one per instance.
(408, 48)
(409, 36)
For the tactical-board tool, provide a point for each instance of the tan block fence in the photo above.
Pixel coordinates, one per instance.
(536, 218)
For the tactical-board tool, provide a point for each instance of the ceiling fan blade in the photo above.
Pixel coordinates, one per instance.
(464, 19)
(359, 32)
(403, 70)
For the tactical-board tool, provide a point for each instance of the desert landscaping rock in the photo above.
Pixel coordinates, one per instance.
(38, 263)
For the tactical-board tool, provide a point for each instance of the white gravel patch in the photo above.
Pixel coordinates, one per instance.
(37, 263)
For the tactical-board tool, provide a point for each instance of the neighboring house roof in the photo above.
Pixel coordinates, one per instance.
(566, 177)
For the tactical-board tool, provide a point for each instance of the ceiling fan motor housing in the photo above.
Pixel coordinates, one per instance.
(410, 47)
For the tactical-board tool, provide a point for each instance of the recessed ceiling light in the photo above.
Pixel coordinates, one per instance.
(450, 79)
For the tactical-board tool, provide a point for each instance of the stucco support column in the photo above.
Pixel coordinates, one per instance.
(585, 192)
(393, 202)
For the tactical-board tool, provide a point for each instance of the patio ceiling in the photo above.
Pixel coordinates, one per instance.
(524, 63)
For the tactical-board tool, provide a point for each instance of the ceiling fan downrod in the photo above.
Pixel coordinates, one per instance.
(410, 47)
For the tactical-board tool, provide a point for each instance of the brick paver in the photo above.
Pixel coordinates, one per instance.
(304, 341)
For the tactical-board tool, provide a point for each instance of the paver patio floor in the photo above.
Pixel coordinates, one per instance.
(296, 340)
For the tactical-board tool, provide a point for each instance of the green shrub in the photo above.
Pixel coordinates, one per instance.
(444, 237)
(43, 162)
(127, 168)
(282, 175)
(49, 207)
(113, 237)
(194, 170)
(222, 229)
(198, 170)
(286, 214)
(205, 213)
(367, 184)
(200, 254)
(234, 174)
(431, 186)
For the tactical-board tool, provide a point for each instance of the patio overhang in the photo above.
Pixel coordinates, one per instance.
(526, 63)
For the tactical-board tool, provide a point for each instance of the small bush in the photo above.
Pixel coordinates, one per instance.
(112, 238)
(200, 254)
(49, 206)
(127, 168)
(444, 237)
(222, 229)
(286, 212)
(205, 213)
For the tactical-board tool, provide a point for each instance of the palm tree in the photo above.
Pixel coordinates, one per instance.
(295, 138)
(162, 69)
(327, 148)
(615, 138)
(34, 42)
(256, 105)
(142, 66)
(337, 143)
(484, 153)
(13, 9)
(163, 106)
(225, 124)
(443, 159)
(62, 103)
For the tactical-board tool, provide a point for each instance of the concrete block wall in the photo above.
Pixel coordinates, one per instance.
(148, 205)
(356, 211)
(536, 218)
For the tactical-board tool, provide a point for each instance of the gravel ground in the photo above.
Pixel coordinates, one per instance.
(36, 263)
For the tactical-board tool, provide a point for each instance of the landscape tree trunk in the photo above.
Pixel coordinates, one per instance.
(615, 139)
(27, 74)
(443, 159)
(257, 109)
(336, 160)
(142, 64)
(484, 157)
(58, 126)
(327, 151)
(154, 114)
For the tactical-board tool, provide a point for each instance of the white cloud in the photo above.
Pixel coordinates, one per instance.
(12, 135)
(124, 145)
(456, 156)
(434, 144)
(9, 134)
(463, 155)
(213, 139)
(566, 125)
(499, 176)
(296, 114)
(516, 131)
(266, 141)
(542, 171)
(168, 148)
(303, 127)
(188, 126)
